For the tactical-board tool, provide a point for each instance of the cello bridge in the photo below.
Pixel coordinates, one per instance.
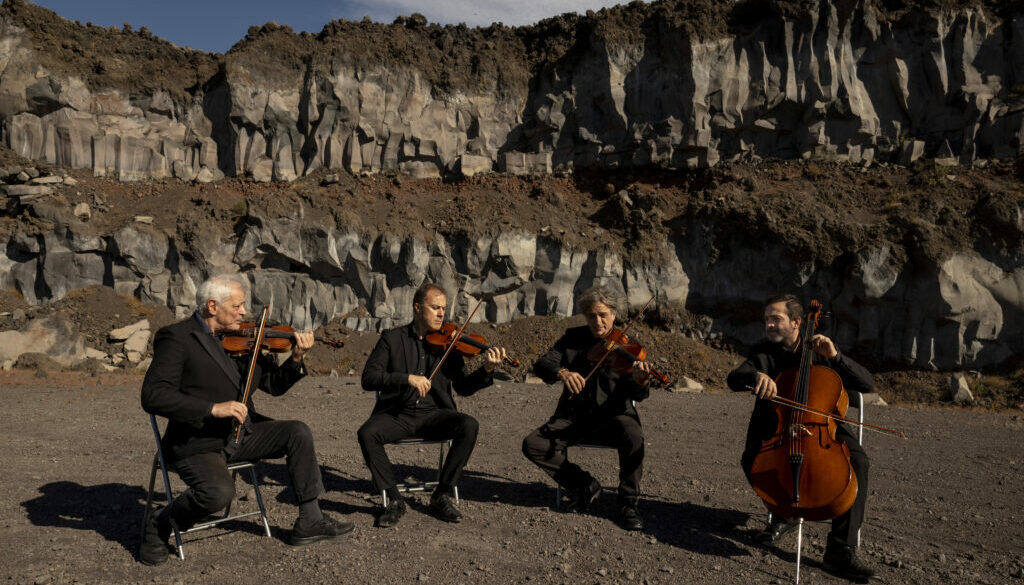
(796, 430)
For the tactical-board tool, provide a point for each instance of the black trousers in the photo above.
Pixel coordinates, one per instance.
(211, 486)
(845, 527)
(546, 447)
(434, 424)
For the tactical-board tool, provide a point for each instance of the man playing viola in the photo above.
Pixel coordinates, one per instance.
(596, 410)
(197, 387)
(783, 315)
(411, 404)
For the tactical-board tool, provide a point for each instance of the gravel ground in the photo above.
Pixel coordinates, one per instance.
(944, 508)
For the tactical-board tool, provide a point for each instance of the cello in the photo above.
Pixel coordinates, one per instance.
(802, 470)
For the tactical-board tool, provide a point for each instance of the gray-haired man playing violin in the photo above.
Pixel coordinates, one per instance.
(596, 410)
(198, 388)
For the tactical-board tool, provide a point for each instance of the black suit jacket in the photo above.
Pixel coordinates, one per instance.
(189, 373)
(606, 393)
(394, 358)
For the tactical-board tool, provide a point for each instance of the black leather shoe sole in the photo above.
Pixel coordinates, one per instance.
(632, 524)
(153, 558)
(447, 515)
(854, 574)
(389, 517)
(387, 522)
(586, 499)
(776, 532)
(343, 528)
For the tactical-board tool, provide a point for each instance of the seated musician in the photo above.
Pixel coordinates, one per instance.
(410, 404)
(596, 410)
(783, 315)
(198, 387)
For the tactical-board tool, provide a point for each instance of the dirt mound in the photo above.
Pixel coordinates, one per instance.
(97, 310)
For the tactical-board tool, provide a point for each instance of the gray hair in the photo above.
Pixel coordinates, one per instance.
(217, 288)
(601, 294)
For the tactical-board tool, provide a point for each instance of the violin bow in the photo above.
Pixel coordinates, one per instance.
(611, 344)
(800, 406)
(458, 335)
(252, 366)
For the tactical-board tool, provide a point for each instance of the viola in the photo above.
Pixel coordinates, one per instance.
(276, 338)
(468, 344)
(619, 353)
(802, 470)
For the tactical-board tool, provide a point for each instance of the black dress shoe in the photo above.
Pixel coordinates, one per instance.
(630, 518)
(777, 529)
(442, 508)
(153, 549)
(395, 510)
(309, 532)
(842, 560)
(582, 498)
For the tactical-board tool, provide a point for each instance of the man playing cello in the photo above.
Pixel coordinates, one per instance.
(596, 410)
(783, 315)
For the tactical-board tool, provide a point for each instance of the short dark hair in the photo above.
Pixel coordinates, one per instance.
(793, 306)
(424, 290)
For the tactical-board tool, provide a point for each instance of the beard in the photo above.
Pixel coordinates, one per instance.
(775, 336)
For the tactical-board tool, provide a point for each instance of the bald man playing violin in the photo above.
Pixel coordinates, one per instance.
(597, 410)
(411, 404)
(783, 316)
(195, 385)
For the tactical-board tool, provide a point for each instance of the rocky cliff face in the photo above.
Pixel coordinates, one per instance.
(929, 274)
(676, 84)
(927, 282)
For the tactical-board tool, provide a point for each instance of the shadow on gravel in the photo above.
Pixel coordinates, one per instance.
(112, 510)
(272, 473)
(479, 486)
(692, 527)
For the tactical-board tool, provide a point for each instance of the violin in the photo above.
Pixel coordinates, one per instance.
(468, 344)
(619, 353)
(277, 339)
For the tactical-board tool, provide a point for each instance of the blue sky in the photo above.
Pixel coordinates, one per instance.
(215, 25)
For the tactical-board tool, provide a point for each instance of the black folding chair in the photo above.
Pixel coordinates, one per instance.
(160, 463)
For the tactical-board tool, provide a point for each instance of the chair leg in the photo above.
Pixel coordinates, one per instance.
(259, 500)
